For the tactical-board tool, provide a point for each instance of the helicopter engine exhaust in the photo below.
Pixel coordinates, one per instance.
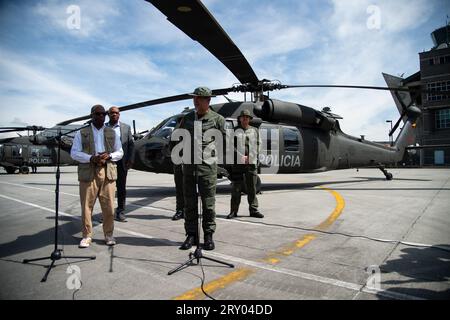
(295, 114)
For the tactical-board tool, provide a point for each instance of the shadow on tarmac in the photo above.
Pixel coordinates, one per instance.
(419, 265)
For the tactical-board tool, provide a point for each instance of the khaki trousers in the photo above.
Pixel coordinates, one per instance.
(105, 190)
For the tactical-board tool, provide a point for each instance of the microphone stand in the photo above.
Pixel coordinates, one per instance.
(57, 253)
(197, 254)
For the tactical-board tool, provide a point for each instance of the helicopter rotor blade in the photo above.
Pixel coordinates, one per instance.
(27, 128)
(366, 87)
(11, 130)
(184, 96)
(194, 19)
(135, 106)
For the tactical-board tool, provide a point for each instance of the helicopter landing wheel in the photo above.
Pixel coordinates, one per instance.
(387, 174)
(24, 170)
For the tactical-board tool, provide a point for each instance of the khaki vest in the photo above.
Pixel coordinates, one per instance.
(86, 171)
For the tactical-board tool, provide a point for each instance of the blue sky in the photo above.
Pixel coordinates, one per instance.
(126, 52)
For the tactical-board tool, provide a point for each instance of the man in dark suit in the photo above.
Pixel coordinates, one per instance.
(124, 132)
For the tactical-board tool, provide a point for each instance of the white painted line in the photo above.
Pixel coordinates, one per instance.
(40, 207)
(36, 188)
(74, 217)
(149, 207)
(77, 196)
(298, 274)
(312, 277)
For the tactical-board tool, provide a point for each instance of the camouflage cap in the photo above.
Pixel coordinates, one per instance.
(246, 113)
(202, 92)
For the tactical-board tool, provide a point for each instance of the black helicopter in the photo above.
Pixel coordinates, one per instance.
(36, 150)
(309, 140)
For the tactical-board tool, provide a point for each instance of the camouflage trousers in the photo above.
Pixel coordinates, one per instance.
(207, 192)
(240, 176)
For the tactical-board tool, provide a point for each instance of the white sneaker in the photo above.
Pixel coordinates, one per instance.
(85, 242)
(110, 241)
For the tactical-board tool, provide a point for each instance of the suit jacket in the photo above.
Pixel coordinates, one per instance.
(127, 143)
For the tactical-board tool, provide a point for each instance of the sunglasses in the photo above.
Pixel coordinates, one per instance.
(100, 114)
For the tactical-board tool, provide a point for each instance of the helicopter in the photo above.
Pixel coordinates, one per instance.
(36, 150)
(309, 140)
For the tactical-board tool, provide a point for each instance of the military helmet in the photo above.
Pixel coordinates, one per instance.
(245, 113)
(202, 92)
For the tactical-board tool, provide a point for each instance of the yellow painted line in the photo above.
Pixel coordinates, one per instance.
(271, 258)
(340, 204)
(289, 249)
(222, 282)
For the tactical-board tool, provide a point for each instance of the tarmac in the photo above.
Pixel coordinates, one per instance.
(345, 235)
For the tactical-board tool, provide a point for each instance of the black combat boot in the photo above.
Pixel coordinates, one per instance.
(178, 215)
(209, 243)
(190, 240)
(232, 215)
(256, 214)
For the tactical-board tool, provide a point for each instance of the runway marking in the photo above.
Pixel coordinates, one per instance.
(36, 188)
(274, 258)
(242, 273)
(77, 196)
(197, 293)
(38, 207)
(95, 223)
(289, 249)
(316, 278)
(340, 204)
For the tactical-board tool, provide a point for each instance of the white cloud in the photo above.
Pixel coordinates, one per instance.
(93, 15)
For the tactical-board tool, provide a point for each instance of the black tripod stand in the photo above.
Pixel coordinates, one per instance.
(197, 254)
(56, 254)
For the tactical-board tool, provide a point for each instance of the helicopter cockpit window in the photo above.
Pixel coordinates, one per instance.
(46, 152)
(16, 151)
(49, 133)
(166, 129)
(229, 124)
(291, 140)
(35, 152)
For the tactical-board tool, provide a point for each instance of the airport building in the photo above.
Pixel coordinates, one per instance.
(434, 126)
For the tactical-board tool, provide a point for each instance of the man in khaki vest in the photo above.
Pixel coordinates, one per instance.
(96, 148)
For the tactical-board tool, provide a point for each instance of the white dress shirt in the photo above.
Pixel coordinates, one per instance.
(77, 153)
(116, 128)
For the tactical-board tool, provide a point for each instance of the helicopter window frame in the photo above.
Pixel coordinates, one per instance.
(46, 152)
(162, 130)
(291, 139)
(35, 152)
(229, 124)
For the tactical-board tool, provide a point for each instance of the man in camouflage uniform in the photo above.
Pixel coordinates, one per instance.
(245, 170)
(201, 170)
